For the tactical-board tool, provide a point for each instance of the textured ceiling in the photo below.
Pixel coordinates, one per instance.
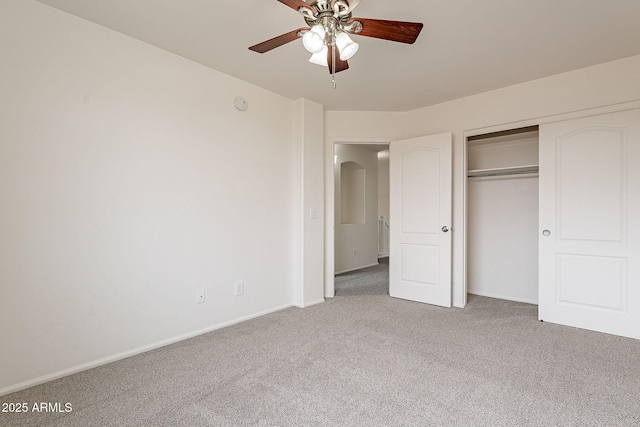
(466, 46)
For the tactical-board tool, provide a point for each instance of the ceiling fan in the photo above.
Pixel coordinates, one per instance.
(330, 23)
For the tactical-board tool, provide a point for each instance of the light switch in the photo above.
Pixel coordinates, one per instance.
(313, 213)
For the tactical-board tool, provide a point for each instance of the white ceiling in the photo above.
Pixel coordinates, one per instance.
(466, 46)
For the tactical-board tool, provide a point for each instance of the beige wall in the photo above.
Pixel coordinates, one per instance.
(129, 181)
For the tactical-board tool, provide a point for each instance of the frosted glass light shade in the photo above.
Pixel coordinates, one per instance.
(313, 40)
(320, 58)
(346, 46)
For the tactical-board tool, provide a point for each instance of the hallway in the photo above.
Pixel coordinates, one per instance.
(367, 281)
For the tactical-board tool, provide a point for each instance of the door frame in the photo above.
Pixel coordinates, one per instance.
(329, 205)
(613, 108)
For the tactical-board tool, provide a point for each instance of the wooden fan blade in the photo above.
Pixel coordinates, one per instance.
(275, 42)
(396, 31)
(340, 64)
(297, 4)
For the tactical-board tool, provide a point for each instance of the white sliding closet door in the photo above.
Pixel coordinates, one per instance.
(590, 223)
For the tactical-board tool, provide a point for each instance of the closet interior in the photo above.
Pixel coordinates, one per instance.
(502, 215)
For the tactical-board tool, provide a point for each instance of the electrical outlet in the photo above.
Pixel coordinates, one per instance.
(239, 288)
(200, 296)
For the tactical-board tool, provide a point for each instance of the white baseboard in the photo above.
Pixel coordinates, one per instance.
(355, 269)
(309, 304)
(505, 297)
(109, 359)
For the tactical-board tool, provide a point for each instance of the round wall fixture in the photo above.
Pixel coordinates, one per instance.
(241, 103)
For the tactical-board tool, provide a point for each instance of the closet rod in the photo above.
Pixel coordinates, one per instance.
(503, 174)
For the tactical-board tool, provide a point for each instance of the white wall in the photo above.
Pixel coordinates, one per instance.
(515, 106)
(502, 238)
(383, 184)
(363, 238)
(309, 204)
(128, 181)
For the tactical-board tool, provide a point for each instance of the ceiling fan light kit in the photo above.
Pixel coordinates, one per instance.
(346, 46)
(314, 39)
(320, 58)
(330, 23)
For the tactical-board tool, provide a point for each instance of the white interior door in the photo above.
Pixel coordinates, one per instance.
(420, 219)
(590, 223)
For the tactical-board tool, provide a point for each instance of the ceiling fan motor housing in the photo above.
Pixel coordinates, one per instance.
(323, 6)
(339, 13)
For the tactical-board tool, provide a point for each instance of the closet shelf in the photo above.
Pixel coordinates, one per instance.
(513, 170)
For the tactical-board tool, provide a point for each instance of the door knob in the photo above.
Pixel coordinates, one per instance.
(546, 233)
(445, 229)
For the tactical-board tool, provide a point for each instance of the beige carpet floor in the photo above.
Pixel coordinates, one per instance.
(363, 360)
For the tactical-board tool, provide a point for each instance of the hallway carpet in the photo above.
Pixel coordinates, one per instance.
(367, 281)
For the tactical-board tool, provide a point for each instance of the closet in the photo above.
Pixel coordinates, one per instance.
(502, 215)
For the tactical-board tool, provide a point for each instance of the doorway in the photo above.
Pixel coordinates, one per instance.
(502, 215)
(361, 208)
(367, 281)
